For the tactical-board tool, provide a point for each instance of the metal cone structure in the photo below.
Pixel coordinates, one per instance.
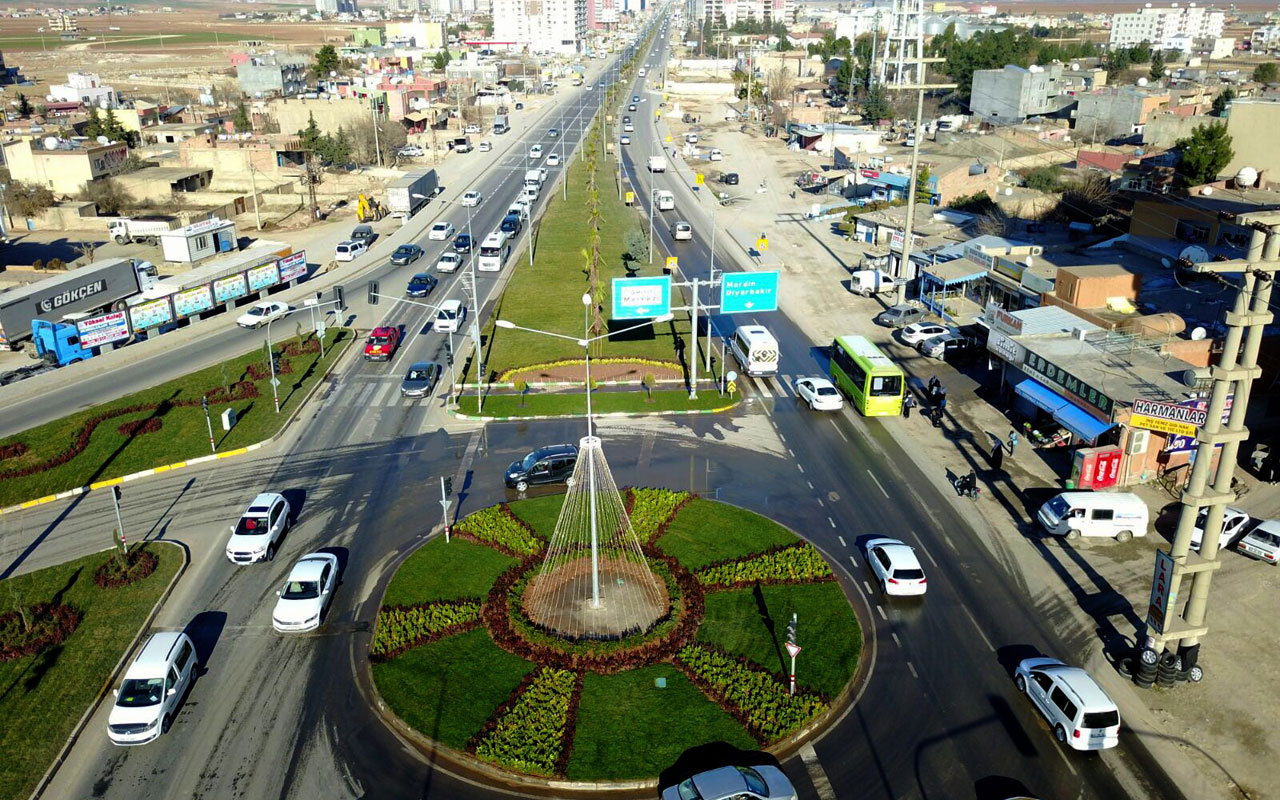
(595, 582)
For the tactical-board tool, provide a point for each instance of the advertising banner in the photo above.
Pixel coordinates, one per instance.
(263, 277)
(230, 288)
(1162, 595)
(293, 266)
(1181, 444)
(192, 302)
(151, 314)
(103, 329)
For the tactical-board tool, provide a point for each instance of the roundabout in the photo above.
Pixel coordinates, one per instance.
(518, 645)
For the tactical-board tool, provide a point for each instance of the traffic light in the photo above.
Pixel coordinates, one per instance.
(204, 403)
(791, 629)
(340, 297)
(115, 492)
(448, 487)
(373, 293)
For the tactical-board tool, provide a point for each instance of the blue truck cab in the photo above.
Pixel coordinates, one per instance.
(58, 343)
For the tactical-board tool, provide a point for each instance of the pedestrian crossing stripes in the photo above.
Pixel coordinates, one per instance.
(775, 385)
(379, 394)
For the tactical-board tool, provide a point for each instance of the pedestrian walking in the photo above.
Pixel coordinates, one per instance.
(908, 403)
(934, 383)
(935, 416)
(997, 455)
(1013, 441)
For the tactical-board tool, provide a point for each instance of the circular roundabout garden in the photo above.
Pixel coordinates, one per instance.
(473, 650)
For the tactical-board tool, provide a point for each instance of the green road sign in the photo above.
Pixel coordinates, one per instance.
(641, 298)
(745, 292)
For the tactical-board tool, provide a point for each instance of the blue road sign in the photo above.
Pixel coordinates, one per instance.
(743, 292)
(641, 298)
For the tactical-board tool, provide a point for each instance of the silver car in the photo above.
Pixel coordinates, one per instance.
(734, 783)
(900, 316)
(420, 379)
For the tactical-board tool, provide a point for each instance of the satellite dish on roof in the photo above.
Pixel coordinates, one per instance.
(50, 143)
(1142, 81)
(1206, 190)
(1075, 67)
(1195, 254)
(103, 140)
(1246, 176)
(1198, 333)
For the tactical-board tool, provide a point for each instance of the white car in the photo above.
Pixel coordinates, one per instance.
(306, 593)
(153, 688)
(485, 147)
(472, 199)
(1262, 543)
(441, 232)
(624, 140)
(1234, 523)
(473, 128)
(449, 262)
(535, 151)
(1079, 712)
(715, 155)
(411, 151)
(896, 567)
(918, 332)
(553, 160)
(261, 313)
(257, 534)
(450, 317)
(819, 393)
(349, 250)
(588, 87)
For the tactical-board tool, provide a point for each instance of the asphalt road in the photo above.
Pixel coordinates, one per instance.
(286, 717)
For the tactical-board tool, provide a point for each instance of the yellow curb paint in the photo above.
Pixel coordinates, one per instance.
(101, 484)
(178, 465)
(48, 498)
(165, 468)
(231, 453)
(30, 504)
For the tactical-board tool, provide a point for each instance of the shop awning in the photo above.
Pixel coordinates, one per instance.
(1068, 414)
(1040, 396)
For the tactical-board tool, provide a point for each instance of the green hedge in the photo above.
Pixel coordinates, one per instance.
(497, 526)
(755, 697)
(403, 627)
(528, 734)
(800, 562)
(651, 509)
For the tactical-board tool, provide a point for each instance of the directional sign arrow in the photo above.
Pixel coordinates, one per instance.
(642, 310)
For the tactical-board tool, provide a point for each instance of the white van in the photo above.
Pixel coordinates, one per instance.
(1121, 515)
(153, 688)
(1078, 711)
(494, 252)
(450, 316)
(533, 178)
(666, 201)
(681, 231)
(350, 250)
(755, 350)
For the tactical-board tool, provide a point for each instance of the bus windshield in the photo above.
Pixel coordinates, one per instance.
(886, 385)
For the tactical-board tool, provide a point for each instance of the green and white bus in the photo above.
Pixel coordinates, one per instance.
(873, 383)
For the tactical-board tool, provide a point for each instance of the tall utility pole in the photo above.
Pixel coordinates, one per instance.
(1233, 378)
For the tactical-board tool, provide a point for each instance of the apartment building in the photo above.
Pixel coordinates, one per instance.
(1163, 27)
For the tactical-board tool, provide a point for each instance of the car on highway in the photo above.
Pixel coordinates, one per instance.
(450, 317)
(635, 98)
(729, 179)
(511, 224)
(1262, 543)
(262, 312)
(819, 393)
(421, 285)
(628, 127)
(349, 251)
(587, 87)
(1234, 524)
(553, 464)
(441, 232)
(485, 146)
(257, 534)
(553, 160)
(896, 567)
(734, 783)
(306, 593)
(472, 199)
(462, 243)
(154, 686)
(553, 133)
(900, 316)
(382, 343)
(631, 107)
(917, 332)
(449, 262)
(420, 380)
(681, 231)
(1079, 712)
(406, 254)
(535, 152)
(624, 139)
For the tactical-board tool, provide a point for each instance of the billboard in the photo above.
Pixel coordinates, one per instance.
(192, 302)
(103, 329)
(229, 288)
(293, 266)
(151, 314)
(1181, 444)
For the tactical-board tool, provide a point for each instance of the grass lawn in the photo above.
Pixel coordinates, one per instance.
(42, 696)
(829, 633)
(184, 433)
(660, 724)
(540, 513)
(705, 533)
(440, 571)
(548, 295)
(564, 403)
(447, 689)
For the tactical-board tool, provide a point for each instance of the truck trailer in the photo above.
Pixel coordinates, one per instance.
(101, 285)
(408, 194)
(141, 230)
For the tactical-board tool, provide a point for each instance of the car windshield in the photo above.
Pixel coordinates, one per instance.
(379, 339)
(754, 782)
(257, 311)
(447, 313)
(529, 461)
(908, 574)
(886, 385)
(1057, 506)
(418, 375)
(440, 227)
(1100, 719)
(140, 692)
(301, 590)
(1265, 538)
(419, 280)
(404, 250)
(826, 391)
(251, 526)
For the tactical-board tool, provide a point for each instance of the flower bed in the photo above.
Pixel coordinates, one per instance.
(651, 510)
(497, 527)
(116, 572)
(14, 450)
(528, 732)
(758, 699)
(50, 626)
(400, 628)
(797, 563)
(556, 366)
(311, 345)
(140, 426)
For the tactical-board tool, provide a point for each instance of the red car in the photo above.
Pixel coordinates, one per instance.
(381, 344)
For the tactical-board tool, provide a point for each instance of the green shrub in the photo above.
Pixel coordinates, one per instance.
(651, 509)
(801, 562)
(528, 734)
(403, 627)
(497, 526)
(759, 701)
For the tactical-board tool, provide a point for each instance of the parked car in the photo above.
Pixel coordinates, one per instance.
(472, 128)
(715, 155)
(441, 232)
(553, 160)
(472, 199)
(381, 344)
(462, 243)
(153, 688)
(734, 783)
(306, 593)
(410, 151)
(262, 312)
(1262, 543)
(449, 262)
(349, 251)
(406, 254)
(1079, 712)
(896, 567)
(819, 393)
(420, 380)
(951, 347)
(1234, 524)
(918, 332)
(257, 534)
(729, 179)
(900, 316)
(421, 285)
(552, 464)
(363, 233)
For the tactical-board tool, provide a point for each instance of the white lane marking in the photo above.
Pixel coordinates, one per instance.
(363, 398)
(841, 538)
(883, 616)
(878, 486)
(763, 387)
(837, 427)
(950, 543)
(783, 439)
(981, 632)
(896, 640)
(832, 521)
(820, 503)
(800, 467)
(922, 548)
(821, 784)
(915, 674)
(810, 484)
(790, 452)
(853, 560)
(868, 585)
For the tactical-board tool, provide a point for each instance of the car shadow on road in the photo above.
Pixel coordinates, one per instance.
(205, 630)
(296, 498)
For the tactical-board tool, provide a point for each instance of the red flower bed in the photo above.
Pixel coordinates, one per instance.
(141, 426)
(306, 348)
(13, 450)
(50, 626)
(260, 373)
(138, 565)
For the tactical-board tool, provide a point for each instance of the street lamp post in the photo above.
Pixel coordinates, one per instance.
(271, 361)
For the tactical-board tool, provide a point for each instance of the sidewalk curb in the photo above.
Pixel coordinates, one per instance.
(58, 761)
(612, 414)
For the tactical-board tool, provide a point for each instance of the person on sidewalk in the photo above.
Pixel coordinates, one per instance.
(997, 455)
(1013, 441)
(934, 383)
(908, 403)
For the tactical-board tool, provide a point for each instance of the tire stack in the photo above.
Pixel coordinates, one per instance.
(1147, 668)
(1167, 670)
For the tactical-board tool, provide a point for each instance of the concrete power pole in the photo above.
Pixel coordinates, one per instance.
(1233, 378)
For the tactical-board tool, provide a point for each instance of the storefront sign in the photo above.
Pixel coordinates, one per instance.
(1005, 348)
(1006, 322)
(978, 257)
(1180, 443)
(898, 237)
(192, 301)
(1046, 371)
(1163, 597)
(262, 277)
(869, 173)
(204, 227)
(103, 329)
(1010, 269)
(293, 266)
(227, 289)
(151, 315)
(1167, 417)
